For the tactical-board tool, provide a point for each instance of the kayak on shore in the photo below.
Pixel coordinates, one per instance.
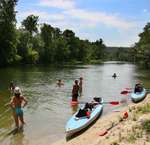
(77, 122)
(138, 96)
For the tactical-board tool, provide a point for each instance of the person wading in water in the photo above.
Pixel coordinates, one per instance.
(80, 85)
(12, 87)
(17, 103)
(75, 91)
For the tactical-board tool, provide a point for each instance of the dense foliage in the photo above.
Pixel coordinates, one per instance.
(33, 43)
(141, 50)
(8, 37)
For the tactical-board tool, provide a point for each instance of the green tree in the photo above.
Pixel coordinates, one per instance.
(30, 24)
(27, 42)
(47, 35)
(61, 50)
(72, 43)
(143, 47)
(8, 37)
(99, 49)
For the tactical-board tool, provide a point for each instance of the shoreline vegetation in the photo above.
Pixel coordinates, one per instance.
(135, 130)
(35, 43)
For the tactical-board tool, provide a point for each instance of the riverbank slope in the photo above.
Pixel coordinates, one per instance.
(135, 130)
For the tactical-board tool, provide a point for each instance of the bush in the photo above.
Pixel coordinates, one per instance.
(146, 126)
(18, 58)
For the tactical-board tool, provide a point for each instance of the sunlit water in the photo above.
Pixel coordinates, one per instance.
(49, 109)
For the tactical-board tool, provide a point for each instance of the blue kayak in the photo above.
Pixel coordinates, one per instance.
(138, 96)
(76, 124)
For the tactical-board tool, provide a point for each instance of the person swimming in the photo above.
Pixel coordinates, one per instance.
(17, 103)
(59, 83)
(114, 75)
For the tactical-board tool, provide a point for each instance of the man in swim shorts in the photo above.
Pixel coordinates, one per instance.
(17, 103)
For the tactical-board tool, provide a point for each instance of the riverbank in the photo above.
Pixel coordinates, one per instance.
(135, 130)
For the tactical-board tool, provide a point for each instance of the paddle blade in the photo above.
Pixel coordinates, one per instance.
(102, 133)
(124, 92)
(128, 88)
(114, 103)
(74, 103)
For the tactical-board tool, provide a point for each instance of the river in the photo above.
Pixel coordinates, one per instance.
(48, 106)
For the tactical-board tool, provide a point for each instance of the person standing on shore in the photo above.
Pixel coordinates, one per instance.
(80, 85)
(17, 103)
(75, 91)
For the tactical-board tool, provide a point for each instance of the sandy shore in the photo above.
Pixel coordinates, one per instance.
(127, 132)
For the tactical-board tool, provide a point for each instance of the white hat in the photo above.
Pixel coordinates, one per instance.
(17, 90)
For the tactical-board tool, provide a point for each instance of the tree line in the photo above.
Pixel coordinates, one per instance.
(140, 52)
(34, 43)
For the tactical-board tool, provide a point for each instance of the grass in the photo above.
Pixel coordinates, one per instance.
(146, 126)
(136, 133)
(131, 138)
(144, 109)
(115, 143)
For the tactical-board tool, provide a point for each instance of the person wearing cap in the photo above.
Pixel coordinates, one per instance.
(17, 103)
(80, 85)
(75, 91)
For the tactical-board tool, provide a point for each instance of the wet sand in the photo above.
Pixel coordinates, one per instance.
(126, 132)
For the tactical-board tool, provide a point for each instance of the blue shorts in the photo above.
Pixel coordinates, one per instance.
(19, 111)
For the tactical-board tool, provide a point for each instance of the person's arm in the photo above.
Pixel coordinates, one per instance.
(73, 90)
(11, 103)
(25, 102)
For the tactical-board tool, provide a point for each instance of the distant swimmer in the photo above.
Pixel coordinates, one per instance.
(60, 83)
(17, 103)
(114, 75)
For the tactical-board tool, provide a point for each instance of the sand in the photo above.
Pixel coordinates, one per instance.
(126, 132)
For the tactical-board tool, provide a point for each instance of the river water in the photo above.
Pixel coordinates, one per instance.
(48, 106)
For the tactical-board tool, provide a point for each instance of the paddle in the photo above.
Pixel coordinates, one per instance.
(125, 92)
(104, 132)
(128, 88)
(112, 102)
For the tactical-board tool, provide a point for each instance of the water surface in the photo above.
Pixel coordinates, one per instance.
(49, 109)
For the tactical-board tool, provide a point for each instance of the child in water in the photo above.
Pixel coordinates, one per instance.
(60, 83)
(17, 103)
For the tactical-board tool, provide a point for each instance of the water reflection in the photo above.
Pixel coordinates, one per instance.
(18, 139)
(74, 108)
(49, 106)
